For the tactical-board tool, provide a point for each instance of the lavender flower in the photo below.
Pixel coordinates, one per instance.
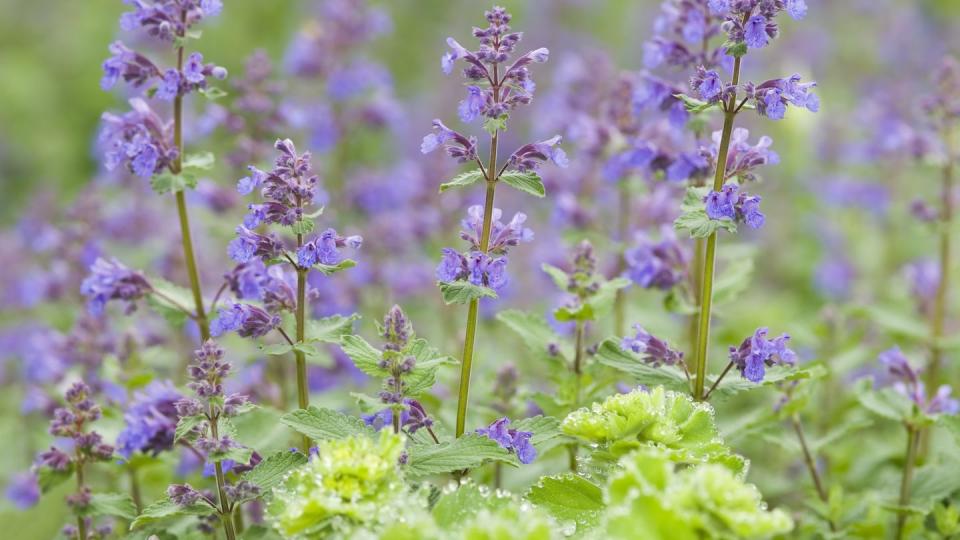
(752, 22)
(757, 352)
(909, 384)
(324, 249)
(23, 490)
(728, 203)
(773, 96)
(245, 319)
(131, 66)
(151, 420)
(457, 145)
(111, 280)
(513, 440)
(654, 350)
(742, 158)
(287, 187)
(248, 245)
(168, 19)
(138, 139)
(529, 156)
(681, 29)
(502, 237)
(660, 265)
(924, 278)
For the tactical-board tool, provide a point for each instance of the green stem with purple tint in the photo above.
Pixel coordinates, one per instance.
(913, 442)
(710, 253)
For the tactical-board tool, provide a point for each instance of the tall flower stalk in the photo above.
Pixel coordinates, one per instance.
(495, 88)
(749, 25)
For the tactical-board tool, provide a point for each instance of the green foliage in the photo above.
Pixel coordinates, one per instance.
(329, 329)
(325, 424)
(694, 219)
(493, 125)
(160, 301)
(353, 483)
(365, 356)
(467, 452)
(527, 182)
(685, 429)
(49, 478)
(462, 292)
(186, 426)
(201, 161)
(569, 498)
(330, 269)
(462, 180)
(303, 226)
(652, 494)
(460, 502)
(535, 332)
(611, 354)
(110, 504)
(165, 509)
(696, 106)
(272, 470)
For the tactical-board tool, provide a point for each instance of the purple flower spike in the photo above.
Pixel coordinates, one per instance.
(755, 32)
(456, 145)
(151, 420)
(654, 350)
(756, 353)
(529, 156)
(111, 280)
(513, 440)
(244, 319)
(659, 265)
(23, 490)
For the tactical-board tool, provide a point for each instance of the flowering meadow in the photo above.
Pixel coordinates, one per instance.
(424, 269)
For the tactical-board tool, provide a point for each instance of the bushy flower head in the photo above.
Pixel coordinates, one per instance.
(753, 21)
(73, 421)
(743, 159)
(511, 439)
(151, 420)
(167, 19)
(680, 32)
(907, 382)
(657, 264)
(247, 320)
(111, 280)
(772, 97)
(138, 140)
(655, 351)
(756, 353)
(502, 236)
(730, 203)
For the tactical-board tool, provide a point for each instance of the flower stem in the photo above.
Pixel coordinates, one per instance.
(716, 383)
(135, 489)
(709, 264)
(225, 515)
(186, 239)
(623, 228)
(81, 523)
(303, 391)
(473, 310)
(913, 439)
(811, 465)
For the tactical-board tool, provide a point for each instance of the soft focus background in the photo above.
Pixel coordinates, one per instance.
(836, 252)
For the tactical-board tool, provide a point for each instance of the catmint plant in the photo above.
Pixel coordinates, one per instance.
(142, 141)
(748, 25)
(496, 85)
(203, 423)
(289, 191)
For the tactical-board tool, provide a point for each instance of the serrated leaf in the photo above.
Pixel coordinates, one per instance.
(325, 424)
(569, 497)
(365, 356)
(699, 225)
(462, 180)
(535, 331)
(186, 424)
(49, 478)
(456, 507)
(527, 182)
(167, 509)
(735, 49)
(333, 269)
(202, 161)
(885, 402)
(492, 125)
(240, 455)
(167, 182)
(546, 432)
(276, 349)
(329, 329)
(467, 452)
(602, 301)
(580, 313)
(462, 292)
(303, 226)
(610, 354)
(271, 471)
(110, 504)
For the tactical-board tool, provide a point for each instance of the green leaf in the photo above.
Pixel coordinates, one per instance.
(49, 478)
(951, 422)
(559, 277)
(897, 322)
(602, 300)
(167, 509)
(160, 301)
(732, 280)
(330, 329)
(610, 354)
(735, 49)
(694, 105)
(202, 161)
(277, 349)
(461, 292)
(212, 93)
(885, 402)
(582, 312)
(111, 504)
(462, 180)
(260, 532)
(186, 424)
(569, 497)
(239, 455)
(333, 269)
(467, 452)
(324, 424)
(271, 471)
(527, 182)
(167, 182)
(365, 356)
(535, 332)
(424, 374)
(934, 483)
(456, 507)
(546, 432)
(303, 226)
(492, 125)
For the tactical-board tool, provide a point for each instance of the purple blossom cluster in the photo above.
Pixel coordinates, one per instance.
(908, 383)
(743, 158)
(111, 280)
(151, 420)
(655, 351)
(487, 269)
(756, 353)
(657, 264)
(168, 20)
(138, 139)
(247, 320)
(730, 203)
(683, 31)
(516, 441)
(753, 21)
(73, 422)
